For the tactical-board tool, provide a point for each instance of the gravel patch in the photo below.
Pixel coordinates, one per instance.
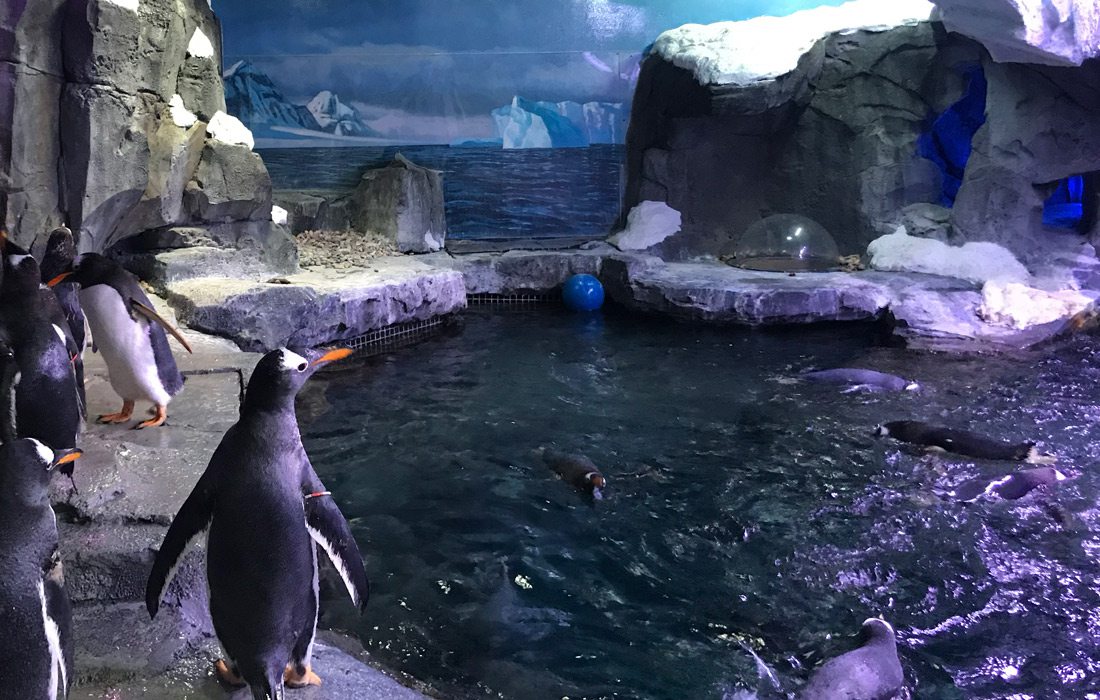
(341, 250)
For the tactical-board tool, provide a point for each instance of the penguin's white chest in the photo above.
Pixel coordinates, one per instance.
(124, 343)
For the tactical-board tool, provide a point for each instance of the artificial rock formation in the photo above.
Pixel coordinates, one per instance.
(113, 121)
(836, 138)
(1061, 33)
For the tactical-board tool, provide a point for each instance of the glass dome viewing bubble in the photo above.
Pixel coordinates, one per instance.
(786, 243)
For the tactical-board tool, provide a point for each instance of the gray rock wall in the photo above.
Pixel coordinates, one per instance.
(87, 136)
(834, 140)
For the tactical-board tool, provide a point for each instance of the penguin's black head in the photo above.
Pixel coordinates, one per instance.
(21, 274)
(26, 465)
(875, 629)
(88, 270)
(59, 255)
(281, 373)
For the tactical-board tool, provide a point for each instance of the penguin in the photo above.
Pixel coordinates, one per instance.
(578, 470)
(871, 672)
(37, 643)
(961, 442)
(265, 511)
(57, 258)
(862, 379)
(130, 334)
(46, 401)
(1010, 487)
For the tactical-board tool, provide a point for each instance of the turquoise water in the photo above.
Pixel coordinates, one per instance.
(743, 511)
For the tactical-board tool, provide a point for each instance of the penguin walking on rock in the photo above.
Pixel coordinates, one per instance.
(47, 404)
(35, 615)
(130, 334)
(871, 672)
(265, 512)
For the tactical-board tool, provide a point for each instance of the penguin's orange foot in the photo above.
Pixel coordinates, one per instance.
(160, 415)
(293, 679)
(227, 675)
(120, 417)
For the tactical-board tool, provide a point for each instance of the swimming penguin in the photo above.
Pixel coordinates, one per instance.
(961, 442)
(1010, 487)
(129, 333)
(862, 379)
(577, 470)
(37, 643)
(57, 258)
(266, 511)
(871, 672)
(47, 402)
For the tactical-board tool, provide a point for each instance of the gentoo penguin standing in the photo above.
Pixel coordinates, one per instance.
(265, 510)
(963, 442)
(871, 672)
(36, 645)
(47, 402)
(58, 258)
(129, 333)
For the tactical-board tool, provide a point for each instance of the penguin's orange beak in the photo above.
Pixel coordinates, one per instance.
(59, 279)
(67, 457)
(331, 356)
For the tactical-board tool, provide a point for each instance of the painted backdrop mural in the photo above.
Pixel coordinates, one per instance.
(523, 105)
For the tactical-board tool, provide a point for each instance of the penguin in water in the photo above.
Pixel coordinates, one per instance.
(130, 334)
(577, 470)
(266, 511)
(57, 258)
(963, 442)
(1010, 487)
(871, 672)
(861, 379)
(46, 403)
(37, 644)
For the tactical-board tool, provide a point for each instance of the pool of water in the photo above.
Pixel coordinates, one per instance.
(744, 512)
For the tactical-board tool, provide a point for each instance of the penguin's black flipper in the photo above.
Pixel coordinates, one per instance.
(8, 370)
(328, 528)
(193, 517)
(149, 313)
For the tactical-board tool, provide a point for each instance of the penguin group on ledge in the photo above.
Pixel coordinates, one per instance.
(260, 503)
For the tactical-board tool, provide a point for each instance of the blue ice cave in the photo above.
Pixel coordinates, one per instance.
(1064, 208)
(947, 142)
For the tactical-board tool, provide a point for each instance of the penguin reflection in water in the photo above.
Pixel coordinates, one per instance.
(265, 510)
(35, 616)
(130, 335)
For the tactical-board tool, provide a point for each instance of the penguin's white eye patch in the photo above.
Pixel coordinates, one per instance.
(44, 453)
(294, 362)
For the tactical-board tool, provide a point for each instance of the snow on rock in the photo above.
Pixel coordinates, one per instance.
(976, 262)
(647, 224)
(1054, 32)
(763, 48)
(182, 116)
(200, 46)
(127, 4)
(228, 129)
(1019, 306)
(278, 214)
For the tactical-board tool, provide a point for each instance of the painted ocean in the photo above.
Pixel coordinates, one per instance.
(490, 192)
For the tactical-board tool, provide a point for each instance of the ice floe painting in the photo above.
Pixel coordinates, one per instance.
(524, 106)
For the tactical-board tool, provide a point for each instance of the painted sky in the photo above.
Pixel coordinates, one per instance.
(434, 69)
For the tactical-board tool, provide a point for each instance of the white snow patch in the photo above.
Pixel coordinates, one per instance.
(1054, 32)
(977, 262)
(647, 224)
(182, 116)
(763, 48)
(1020, 306)
(278, 214)
(200, 45)
(228, 129)
(126, 4)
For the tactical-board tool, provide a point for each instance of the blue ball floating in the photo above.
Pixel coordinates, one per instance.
(582, 293)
